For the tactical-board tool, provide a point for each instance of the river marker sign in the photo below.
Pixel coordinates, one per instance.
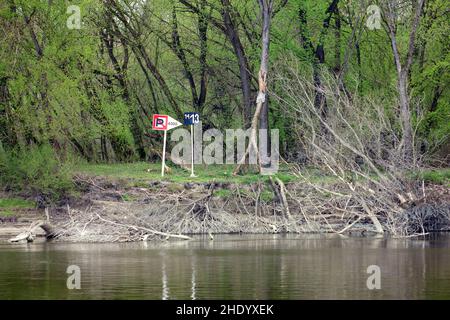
(191, 119)
(162, 122)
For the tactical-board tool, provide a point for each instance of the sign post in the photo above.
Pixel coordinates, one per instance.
(164, 123)
(164, 154)
(190, 119)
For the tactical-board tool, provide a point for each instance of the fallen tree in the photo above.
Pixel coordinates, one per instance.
(30, 234)
(358, 145)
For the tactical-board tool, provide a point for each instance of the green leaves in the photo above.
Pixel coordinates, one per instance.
(74, 94)
(36, 169)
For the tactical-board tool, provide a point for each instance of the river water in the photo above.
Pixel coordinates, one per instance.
(231, 267)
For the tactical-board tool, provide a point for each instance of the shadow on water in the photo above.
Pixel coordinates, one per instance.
(231, 267)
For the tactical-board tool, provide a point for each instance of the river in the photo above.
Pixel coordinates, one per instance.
(231, 267)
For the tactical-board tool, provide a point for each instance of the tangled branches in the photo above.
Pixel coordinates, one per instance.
(273, 207)
(168, 214)
(355, 144)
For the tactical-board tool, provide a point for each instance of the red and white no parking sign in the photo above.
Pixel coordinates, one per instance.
(162, 122)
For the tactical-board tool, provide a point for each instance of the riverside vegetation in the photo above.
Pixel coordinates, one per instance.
(362, 110)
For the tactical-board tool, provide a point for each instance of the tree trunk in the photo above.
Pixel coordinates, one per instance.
(162, 83)
(318, 52)
(337, 41)
(403, 73)
(244, 68)
(405, 116)
(266, 12)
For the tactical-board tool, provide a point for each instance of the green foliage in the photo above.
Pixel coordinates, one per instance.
(8, 203)
(54, 96)
(223, 193)
(430, 79)
(437, 123)
(37, 170)
(267, 195)
(439, 176)
(7, 213)
(75, 96)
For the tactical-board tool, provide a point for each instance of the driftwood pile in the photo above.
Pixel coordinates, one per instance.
(173, 211)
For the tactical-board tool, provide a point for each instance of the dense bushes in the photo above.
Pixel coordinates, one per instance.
(37, 170)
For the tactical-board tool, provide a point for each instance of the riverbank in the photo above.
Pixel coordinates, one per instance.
(120, 203)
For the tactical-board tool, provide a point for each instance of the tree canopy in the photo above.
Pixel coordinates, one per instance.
(90, 86)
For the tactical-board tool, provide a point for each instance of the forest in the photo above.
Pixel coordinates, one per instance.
(359, 91)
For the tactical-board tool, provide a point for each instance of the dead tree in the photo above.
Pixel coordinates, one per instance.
(266, 13)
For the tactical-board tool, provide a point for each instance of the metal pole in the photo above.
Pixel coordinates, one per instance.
(192, 151)
(164, 154)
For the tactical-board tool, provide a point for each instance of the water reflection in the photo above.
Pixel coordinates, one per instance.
(165, 287)
(231, 267)
(193, 279)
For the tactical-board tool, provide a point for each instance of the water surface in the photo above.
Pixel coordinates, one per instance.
(231, 267)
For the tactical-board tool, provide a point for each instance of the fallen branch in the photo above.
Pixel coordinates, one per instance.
(169, 235)
(283, 197)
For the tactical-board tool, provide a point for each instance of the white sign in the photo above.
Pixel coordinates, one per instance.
(172, 123)
(162, 122)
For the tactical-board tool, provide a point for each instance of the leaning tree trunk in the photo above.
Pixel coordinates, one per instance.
(266, 11)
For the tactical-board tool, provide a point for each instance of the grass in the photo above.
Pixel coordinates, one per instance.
(223, 193)
(7, 206)
(439, 176)
(142, 171)
(7, 213)
(128, 198)
(15, 203)
(266, 196)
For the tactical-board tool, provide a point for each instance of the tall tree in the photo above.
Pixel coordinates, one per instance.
(317, 50)
(229, 28)
(403, 67)
(266, 7)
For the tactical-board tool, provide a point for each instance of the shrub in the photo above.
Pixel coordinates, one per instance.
(35, 169)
